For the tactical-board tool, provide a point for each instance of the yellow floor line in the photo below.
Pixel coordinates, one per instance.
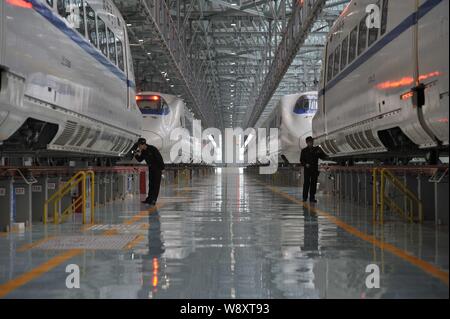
(38, 271)
(33, 244)
(134, 242)
(425, 266)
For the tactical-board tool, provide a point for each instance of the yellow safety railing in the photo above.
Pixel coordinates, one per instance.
(385, 201)
(55, 200)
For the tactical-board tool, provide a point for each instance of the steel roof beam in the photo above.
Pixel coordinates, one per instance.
(300, 23)
(158, 19)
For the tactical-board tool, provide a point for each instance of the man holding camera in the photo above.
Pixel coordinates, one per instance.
(155, 163)
(310, 160)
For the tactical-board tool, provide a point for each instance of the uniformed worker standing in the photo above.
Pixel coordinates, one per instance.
(309, 158)
(155, 163)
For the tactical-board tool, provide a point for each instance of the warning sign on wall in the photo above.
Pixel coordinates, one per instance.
(36, 188)
(20, 191)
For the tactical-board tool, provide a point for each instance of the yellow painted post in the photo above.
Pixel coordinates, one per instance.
(374, 195)
(55, 213)
(92, 197)
(45, 213)
(382, 196)
(83, 196)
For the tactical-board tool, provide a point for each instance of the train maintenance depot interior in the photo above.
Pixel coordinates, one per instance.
(224, 150)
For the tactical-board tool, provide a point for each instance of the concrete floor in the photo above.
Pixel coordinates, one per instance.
(228, 236)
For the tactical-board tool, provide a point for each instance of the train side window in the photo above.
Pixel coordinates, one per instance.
(330, 68)
(373, 32)
(72, 11)
(337, 60)
(352, 44)
(384, 17)
(112, 46)
(91, 26)
(373, 35)
(63, 7)
(362, 37)
(120, 54)
(102, 36)
(344, 53)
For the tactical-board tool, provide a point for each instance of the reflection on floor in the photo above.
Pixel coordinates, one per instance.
(226, 236)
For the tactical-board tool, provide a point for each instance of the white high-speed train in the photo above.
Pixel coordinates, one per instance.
(67, 82)
(162, 113)
(292, 116)
(384, 91)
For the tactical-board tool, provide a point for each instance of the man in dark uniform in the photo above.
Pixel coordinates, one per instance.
(155, 163)
(310, 160)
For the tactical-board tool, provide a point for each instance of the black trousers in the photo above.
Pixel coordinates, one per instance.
(154, 183)
(310, 183)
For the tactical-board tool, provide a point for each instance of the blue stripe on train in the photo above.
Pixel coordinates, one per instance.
(164, 111)
(44, 11)
(388, 38)
(303, 111)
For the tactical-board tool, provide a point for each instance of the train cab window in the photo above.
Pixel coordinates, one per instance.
(102, 36)
(362, 37)
(150, 104)
(73, 12)
(330, 67)
(337, 60)
(91, 26)
(344, 53)
(50, 3)
(352, 44)
(120, 54)
(112, 46)
(384, 17)
(305, 104)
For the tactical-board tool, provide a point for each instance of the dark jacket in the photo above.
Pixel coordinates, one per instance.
(152, 157)
(311, 156)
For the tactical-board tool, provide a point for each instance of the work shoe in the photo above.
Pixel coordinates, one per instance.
(313, 200)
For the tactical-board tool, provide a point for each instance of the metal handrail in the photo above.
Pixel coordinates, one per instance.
(385, 200)
(79, 178)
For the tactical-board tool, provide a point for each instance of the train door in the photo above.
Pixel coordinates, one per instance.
(432, 68)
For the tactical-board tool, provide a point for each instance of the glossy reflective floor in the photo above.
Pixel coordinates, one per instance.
(227, 235)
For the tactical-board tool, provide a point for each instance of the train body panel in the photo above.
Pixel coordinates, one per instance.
(73, 71)
(293, 117)
(433, 33)
(163, 113)
(365, 102)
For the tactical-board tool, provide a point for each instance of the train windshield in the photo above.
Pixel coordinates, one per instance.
(151, 104)
(306, 104)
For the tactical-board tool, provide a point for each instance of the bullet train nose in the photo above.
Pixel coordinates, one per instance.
(153, 139)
